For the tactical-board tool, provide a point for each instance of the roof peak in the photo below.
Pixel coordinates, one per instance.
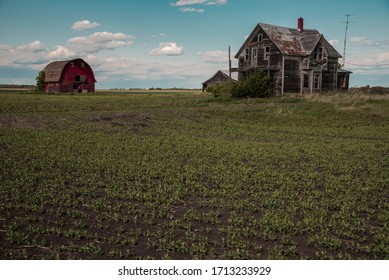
(305, 30)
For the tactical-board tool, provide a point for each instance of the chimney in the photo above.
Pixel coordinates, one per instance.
(300, 24)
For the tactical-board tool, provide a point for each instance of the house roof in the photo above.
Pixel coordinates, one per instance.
(291, 41)
(53, 71)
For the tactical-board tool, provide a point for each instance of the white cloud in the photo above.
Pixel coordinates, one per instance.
(188, 2)
(218, 2)
(217, 57)
(159, 35)
(84, 25)
(193, 10)
(60, 52)
(194, 2)
(167, 49)
(31, 54)
(363, 41)
(35, 46)
(185, 3)
(333, 42)
(100, 41)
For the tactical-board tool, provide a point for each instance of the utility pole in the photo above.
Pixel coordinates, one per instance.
(345, 39)
(229, 61)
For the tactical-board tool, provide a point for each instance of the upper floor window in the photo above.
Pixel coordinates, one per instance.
(82, 65)
(260, 37)
(71, 64)
(318, 53)
(267, 53)
(247, 56)
(255, 51)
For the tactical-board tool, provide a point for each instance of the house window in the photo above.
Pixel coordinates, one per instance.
(316, 81)
(82, 65)
(247, 54)
(71, 64)
(255, 53)
(306, 63)
(260, 37)
(320, 54)
(267, 53)
(306, 81)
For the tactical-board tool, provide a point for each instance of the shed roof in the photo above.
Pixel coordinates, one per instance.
(223, 73)
(291, 41)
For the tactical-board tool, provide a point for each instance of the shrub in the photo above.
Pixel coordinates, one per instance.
(221, 90)
(257, 84)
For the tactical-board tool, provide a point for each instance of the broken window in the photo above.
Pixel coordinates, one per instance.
(260, 37)
(316, 81)
(306, 81)
(247, 54)
(318, 53)
(255, 53)
(267, 53)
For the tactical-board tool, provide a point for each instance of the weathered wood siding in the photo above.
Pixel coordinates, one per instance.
(299, 60)
(292, 74)
(329, 76)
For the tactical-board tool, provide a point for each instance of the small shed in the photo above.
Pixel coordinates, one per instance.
(69, 76)
(343, 79)
(220, 77)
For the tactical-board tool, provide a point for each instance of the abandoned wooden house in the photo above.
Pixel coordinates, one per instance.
(220, 77)
(69, 76)
(298, 60)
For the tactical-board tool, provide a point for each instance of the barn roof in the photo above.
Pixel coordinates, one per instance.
(53, 71)
(291, 41)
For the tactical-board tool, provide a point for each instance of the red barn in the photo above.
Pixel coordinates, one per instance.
(69, 76)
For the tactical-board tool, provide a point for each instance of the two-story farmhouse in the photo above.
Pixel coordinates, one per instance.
(299, 60)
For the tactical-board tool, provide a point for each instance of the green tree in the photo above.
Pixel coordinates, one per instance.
(40, 81)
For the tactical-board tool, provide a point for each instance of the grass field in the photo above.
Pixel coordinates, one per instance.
(182, 175)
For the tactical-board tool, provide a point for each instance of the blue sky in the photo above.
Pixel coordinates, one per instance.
(177, 43)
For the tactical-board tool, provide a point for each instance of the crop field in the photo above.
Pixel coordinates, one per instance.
(182, 175)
